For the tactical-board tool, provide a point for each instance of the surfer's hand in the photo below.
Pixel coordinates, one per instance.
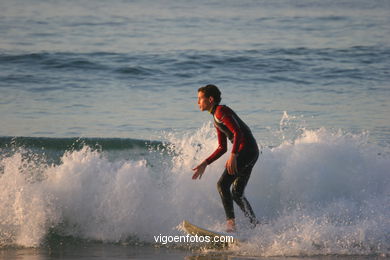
(199, 170)
(231, 164)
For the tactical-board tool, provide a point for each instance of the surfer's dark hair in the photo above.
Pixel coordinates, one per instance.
(211, 91)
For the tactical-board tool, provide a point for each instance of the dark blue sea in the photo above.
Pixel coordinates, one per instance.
(100, 128)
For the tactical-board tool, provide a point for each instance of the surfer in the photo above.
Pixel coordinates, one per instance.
(242, 158)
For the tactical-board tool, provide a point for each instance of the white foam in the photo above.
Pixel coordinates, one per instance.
(27, 210)
(323, 193)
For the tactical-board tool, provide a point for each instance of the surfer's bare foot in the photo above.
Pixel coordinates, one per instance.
(231, 225)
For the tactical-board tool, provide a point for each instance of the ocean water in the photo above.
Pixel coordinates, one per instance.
(100, 127)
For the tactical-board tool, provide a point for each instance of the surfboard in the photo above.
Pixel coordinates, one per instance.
(217, 239)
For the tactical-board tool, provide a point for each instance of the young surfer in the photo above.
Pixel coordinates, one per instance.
(242, 158)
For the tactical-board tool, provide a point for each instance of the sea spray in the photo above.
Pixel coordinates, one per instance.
(324, 192)
(107, 201)
(27, 208)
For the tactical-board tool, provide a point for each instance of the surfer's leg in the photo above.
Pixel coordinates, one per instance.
(238, 196)
(240, 183)
(223, 186)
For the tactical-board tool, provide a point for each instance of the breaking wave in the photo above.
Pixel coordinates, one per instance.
(322, 193)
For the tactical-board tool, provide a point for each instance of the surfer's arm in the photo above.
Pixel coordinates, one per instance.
(221, 149)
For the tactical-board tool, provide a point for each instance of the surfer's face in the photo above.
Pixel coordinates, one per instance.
(205, 103)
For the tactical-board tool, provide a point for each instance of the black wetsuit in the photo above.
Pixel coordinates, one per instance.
(230, 126)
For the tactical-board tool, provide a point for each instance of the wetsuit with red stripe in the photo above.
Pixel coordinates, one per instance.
(230, 126)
